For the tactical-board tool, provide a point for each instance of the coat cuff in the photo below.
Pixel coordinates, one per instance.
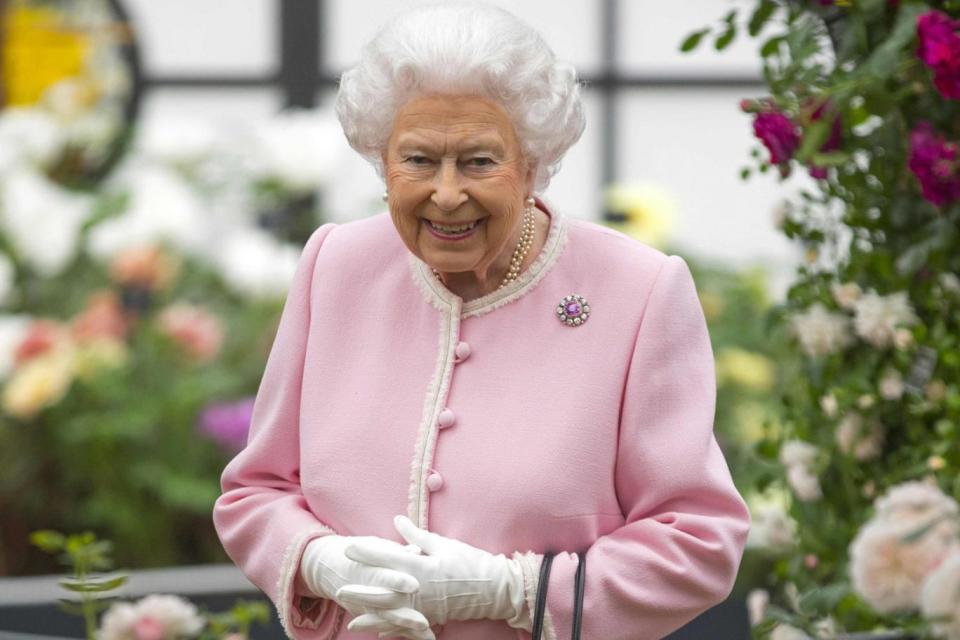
(305, 617)
(530, 565)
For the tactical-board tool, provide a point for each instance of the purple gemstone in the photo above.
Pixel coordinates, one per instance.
(573, 308)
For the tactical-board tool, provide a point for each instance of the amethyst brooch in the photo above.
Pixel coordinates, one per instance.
(573, 310)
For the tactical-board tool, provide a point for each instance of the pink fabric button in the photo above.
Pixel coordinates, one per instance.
(434, 481)
(462, 351)
(446, 418)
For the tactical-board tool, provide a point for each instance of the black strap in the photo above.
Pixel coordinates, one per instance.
(578, 594)
(541, 604)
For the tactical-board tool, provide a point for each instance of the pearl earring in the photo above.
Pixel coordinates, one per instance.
(531, 201)
(386, 196)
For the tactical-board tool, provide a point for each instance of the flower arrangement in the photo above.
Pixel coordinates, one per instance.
(862, 120)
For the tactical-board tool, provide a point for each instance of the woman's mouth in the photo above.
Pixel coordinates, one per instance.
(452, 231)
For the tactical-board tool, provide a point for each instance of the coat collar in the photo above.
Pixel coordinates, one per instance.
(435, 293)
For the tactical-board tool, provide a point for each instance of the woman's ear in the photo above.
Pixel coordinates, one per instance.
(531, 177)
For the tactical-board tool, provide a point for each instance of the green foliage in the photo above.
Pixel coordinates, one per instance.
(83, 554)
(866, 223)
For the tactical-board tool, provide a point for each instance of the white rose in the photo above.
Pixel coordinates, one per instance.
(254, 263)
(804, 483)
(886, 570)
(876, 317)
(43, 220)
(939, 600)
(846, 294)
(821, 332)
(828, 404)
(797, 453)
(891, 385)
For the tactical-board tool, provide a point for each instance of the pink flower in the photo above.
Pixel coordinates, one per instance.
(197, 330)
(42, 337)
(937, 42)
(147, 628)
(934, 161)
(778, 133)
(156, 617)
(103, 317)
(939, 48)
(228, 423)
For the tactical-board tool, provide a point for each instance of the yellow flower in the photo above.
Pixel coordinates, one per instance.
(38, 51)
(97, 354)
(641, 210)
(750, 418)
(712, 305)
(744, 368)
(41, 382)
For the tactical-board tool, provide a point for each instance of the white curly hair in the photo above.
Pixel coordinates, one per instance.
(463, 47)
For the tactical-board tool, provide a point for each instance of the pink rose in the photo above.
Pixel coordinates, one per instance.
(934, 162)
(778, 133)
(938, 45)
(197, 330)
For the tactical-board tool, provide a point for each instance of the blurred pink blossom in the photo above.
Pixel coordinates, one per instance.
(934, 161)
(197, 330)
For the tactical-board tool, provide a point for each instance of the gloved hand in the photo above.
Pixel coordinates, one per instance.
(325, 568)
(457, 581)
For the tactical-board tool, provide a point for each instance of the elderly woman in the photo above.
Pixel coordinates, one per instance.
(472, 380)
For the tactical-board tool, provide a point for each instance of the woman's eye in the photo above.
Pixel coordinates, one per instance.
(418, 160)
(481, 161)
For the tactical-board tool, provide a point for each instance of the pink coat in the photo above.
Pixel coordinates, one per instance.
(495, 423)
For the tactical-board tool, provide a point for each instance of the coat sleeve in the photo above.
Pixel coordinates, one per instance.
(685, 527)
(261, 517)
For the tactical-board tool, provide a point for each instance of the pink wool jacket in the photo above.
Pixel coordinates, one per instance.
(492, 422)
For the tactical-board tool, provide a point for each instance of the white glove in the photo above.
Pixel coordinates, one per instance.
(325, 568)
(457, 581)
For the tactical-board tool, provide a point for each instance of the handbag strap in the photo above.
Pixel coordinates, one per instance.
(578, 594)
(541, 604)
(541, 601)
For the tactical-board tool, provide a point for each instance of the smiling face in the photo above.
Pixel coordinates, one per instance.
(456, 161)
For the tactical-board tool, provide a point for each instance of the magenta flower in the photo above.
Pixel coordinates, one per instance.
(934, 161)
(778, 133)
(228, 424)
(938, 46)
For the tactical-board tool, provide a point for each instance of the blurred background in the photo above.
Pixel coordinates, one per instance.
(161, 165)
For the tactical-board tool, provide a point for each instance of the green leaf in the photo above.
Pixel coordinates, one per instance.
(883, 61)
(692, 41)
(813, 138)
(78, 608)
(941, 235)
(93, 585)
(723, 40)
(771, 46)
(830, 158)
(914, 536)
(824, 598)
(853, 39)
(48, 540)
(760, 17)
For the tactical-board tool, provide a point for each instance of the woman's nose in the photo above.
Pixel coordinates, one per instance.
(448, 193)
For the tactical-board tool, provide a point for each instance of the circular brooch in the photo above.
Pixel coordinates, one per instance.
(573, 310)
